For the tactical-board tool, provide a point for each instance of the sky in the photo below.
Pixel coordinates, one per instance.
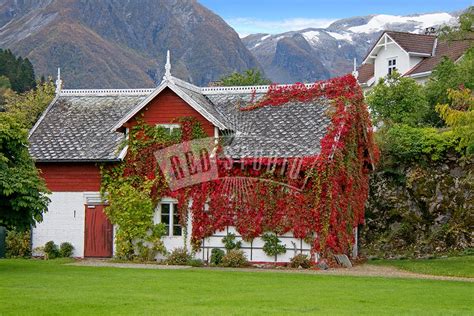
(277, 16)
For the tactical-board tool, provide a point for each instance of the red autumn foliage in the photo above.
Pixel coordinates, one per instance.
(256, 200)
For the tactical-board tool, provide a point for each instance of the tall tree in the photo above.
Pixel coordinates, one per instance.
(23, 193)
(19, 71)
(28, 106)
(464, 29)
(250, 77)
(398, 99)
(459, 115)
(448, 75)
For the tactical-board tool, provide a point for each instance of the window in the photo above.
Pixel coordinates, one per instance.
(169, 216)
(392, 65)
(170, 128)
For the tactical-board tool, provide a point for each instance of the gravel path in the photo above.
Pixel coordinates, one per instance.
(365, 270)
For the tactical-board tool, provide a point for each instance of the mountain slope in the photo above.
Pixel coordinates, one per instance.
(331, 50)
(122, 43)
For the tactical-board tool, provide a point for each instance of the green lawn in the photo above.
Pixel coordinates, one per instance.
(454, 266)
(49, 287)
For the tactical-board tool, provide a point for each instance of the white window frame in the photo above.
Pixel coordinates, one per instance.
(171, 224)
(170, 126)
(393, 67)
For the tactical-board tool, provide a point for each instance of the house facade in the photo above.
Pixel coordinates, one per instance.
(412, 55)
(83, 131)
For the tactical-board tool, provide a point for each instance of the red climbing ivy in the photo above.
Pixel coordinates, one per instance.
(258, 195)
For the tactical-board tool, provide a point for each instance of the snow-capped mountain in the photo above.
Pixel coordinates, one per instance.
(319, 53)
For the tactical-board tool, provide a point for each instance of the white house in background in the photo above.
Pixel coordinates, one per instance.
(412, 55)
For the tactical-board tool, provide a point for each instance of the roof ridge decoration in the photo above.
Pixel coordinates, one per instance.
(167, 75)
(59, 82)
(105, 92)
(244, 89)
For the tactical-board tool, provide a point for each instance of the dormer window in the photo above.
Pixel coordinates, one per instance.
(170, 128)
(392, 65)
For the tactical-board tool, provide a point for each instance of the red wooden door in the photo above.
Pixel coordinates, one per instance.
(98, 233)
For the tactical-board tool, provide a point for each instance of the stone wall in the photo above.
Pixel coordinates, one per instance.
(420, 210)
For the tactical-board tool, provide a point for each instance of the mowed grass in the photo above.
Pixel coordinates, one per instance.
(50, 287)
(454, 266)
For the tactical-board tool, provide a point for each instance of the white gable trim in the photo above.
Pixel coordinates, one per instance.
(420, 74)
(180, 93)
(377, 46)
(196, 106)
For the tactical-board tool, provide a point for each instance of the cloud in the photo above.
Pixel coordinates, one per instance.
(246, 26)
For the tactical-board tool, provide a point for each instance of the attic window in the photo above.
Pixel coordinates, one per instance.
(392, 65)
(170, 128)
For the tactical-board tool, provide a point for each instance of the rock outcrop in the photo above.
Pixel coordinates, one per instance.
(421, 210)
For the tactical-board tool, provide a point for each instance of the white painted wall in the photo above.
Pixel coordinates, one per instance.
(253, 251)
(63, 222)
(414, 61)
(173, 242)
(381, 62)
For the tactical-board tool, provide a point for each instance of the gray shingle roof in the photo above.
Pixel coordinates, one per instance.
(289, 130)
(79, 128)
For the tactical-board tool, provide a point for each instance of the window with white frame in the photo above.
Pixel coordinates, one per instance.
(170, 128)
(169, 215)
(392, 65)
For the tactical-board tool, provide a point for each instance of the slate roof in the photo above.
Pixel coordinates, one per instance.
(452, 50)
(410, 42)
(78, 128)
(81, 127)
(414, 43)
(366, 72)
(289, 130)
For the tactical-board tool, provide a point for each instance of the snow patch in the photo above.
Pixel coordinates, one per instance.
(265, 37)
(311, 36)
(379, 22)
(344, 37)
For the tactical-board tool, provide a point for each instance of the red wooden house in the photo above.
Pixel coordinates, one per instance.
(82, 130)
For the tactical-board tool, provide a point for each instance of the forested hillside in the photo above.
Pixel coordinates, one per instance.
(16, 72)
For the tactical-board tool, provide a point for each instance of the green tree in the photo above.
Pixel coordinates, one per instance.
(23, 193)
(250, 77)
(5, 89)
(397, 99)
(464, 29)
(448, 75)
(459, 115)
(28, 106)
(19, 71)
(5, 83)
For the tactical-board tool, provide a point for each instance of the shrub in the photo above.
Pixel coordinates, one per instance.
(196, 263)
(152, 245)
(230, 243)
(216, 256)
(179, 257)
(66, 249)
(18, 244)
(51, 250)
(398, 99)
(272, 246)
(301, 260)
(405, 144)
(235, 259)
